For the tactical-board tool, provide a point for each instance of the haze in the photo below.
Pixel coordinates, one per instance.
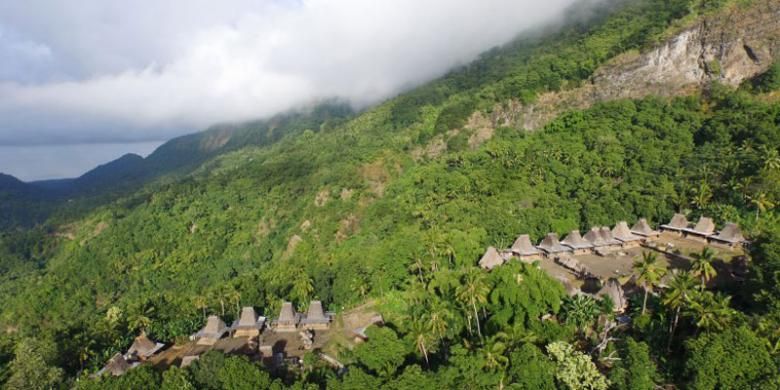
(99, 71)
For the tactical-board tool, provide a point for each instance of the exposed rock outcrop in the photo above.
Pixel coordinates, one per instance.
(729, 47)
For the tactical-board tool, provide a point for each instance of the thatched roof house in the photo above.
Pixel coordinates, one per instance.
(594, 237)
(574, 240)
(116, 366)
(677, 224)
(214, 330)
(523, 247)
(249, 324)
(704, 227)
(288, 318)
(316, 318)
(143, 348)
(551, 245)
(642, 228)
(622, 233)
(491, 259)
(731, 234)
(615, 292)
(606, 235)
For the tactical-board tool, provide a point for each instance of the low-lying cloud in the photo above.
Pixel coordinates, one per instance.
(116, 71)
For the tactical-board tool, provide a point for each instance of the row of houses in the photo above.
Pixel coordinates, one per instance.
(248, 326)
(603, 240)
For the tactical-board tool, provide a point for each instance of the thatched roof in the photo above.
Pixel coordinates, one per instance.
(116, 366)
(705, 226)
(643, 228)
(550, 244)
(594, 237)
(575, 241)
(524, 247)
(287, 315)
(614, 291)
(143, 347)
(315, 314)
(606, 235)
(623, 233)
(249, 319)
(678, 222)
(491, 259)
(730, 233)
(215, 328)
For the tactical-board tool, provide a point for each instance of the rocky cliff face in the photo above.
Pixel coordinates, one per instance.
(730, 47)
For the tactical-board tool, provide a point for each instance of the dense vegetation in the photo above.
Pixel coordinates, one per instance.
(360, 209)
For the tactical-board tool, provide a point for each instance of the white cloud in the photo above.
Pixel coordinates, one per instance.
(149, 70)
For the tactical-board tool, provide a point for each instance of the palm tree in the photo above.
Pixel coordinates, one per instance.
(762, 203)
(702, 195)
(420, 333)
(702, 266)
(439, 319)
(771, 158)
(580, 311)
(473, 292)
(201, 303)
(302, 288)
(648, 274)
(711, 312)
(494, 358)
(681, 289)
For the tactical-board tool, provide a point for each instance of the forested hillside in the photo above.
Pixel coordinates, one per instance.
(396, 204)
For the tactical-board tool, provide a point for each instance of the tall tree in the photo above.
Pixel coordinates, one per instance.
(648, 274)
(678, 296)
(702, 266)
(473, 292)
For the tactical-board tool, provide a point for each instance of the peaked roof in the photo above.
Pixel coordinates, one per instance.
(143, 347)
(572, 264)
(731, 233)
(550, 244)
(594, 237)
(623, 233)
(287, 314)
(606, 235)
(491, 259)
(215, 328)
(524, 247)
(643, 228)
(117, 365)
(316, 314)
(704, 226)
(575, 241)
(248, 319)
(614, 291)
(678, 222)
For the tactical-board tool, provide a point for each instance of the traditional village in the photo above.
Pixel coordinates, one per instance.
(600, 262)
(275, 342)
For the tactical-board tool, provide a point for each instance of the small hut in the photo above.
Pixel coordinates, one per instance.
(730, 235)
(642, 228)
(676, 225)
(551, 246)
(249, 324)
(143, 348)
(491, 259)
(579, 245)
(316, 318)
(622, 233)
(614, 291)
(214, 330)
(288, 319)
(116, 366)
(524, 250)
(704, 228)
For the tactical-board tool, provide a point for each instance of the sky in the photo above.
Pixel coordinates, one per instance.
(82, 77)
